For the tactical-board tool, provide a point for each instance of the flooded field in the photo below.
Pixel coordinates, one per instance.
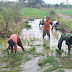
(37, 57)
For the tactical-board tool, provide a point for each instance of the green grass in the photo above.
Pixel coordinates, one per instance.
(65, 11)
(45, 46)
(64, 22)
(59, 52)
(32, 49)
(50, 60)
(26, 22)
(27, 26)
(13, 61)
(33, 12)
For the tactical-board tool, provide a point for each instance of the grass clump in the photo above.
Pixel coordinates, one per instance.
(59, 52)
(45, 46)
(27, 26)
(31, 19)
(26, 22)
(32, 49)
(50, 61)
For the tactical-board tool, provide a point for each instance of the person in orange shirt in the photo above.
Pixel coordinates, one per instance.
(14, 40)
(47, 27)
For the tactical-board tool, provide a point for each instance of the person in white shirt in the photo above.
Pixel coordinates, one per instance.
(55, 24)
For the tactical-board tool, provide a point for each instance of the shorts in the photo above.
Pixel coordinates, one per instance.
(46, 32)
(19, 43)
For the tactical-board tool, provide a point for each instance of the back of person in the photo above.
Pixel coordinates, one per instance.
(14, 37)
(47, 25)
(54, 22)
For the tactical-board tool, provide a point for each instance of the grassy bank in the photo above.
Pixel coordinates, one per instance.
(33, 12)
(66, 24)
(65, 11)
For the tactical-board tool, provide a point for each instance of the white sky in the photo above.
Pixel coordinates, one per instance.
(56, 1)
(52, 1)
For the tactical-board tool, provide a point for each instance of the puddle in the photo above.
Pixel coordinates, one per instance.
(36, 33)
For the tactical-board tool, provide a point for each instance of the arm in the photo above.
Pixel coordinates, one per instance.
(51, 23)
(15, 48)
(8, 47)
(60, 43)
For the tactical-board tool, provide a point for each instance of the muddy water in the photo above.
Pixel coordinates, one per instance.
(36, 34)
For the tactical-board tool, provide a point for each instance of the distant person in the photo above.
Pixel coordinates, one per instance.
(55, 24)
(46, 27)
(14, 40)
(68, 38)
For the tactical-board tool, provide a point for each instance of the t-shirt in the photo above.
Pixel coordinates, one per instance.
(15, 39)
(54, 22)
(47, 25)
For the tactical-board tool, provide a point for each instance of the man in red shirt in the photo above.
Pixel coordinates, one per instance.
(13, 41)
(46, 27)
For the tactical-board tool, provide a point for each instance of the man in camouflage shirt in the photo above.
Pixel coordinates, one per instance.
(68, 38)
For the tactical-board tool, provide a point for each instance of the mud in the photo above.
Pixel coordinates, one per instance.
(33, 38)
(36, 34)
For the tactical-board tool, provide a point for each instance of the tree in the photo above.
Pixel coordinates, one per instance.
(56, 5)
(2, 22)
(38, 6)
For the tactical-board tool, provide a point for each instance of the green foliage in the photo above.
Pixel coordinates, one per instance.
(2, 22)
(65, 11)
(32, 49)
(38, 6)
(33, 12)
(27, 26)
(44, 45)
(59, 52)
(26, 22)
(50, 60)
(31, 19)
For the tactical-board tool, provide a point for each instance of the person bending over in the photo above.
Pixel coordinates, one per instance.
(14, 40)
(68, 38)
(55, 24)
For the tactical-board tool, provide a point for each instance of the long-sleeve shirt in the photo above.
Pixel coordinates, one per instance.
(66, 37)
(15, 39)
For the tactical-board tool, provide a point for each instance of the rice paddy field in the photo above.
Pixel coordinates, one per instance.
(65, 11)
(34, 12)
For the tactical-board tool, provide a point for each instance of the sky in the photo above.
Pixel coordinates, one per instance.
(52, 1)
(56, 1)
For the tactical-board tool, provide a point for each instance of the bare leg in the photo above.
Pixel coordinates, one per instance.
(44, 33)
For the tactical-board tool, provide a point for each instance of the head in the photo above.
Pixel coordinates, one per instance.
(47, 18)
(57, 23)
(10, 42)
